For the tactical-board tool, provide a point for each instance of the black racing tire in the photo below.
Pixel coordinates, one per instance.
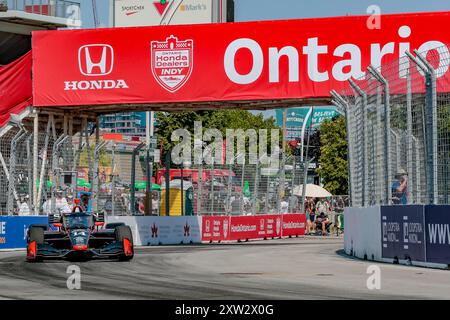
(121, 233)
(114, 225)
(36, 233)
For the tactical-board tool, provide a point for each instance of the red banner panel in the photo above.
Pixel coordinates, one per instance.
(255, 227)
(15, 87)
(294, 224)
(234, 228)
(215, 228)
(289, 59)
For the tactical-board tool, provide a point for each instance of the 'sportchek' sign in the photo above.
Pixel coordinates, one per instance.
(269, 60)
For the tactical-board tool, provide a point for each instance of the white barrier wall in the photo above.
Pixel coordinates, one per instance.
(362, 236)
(162, 230)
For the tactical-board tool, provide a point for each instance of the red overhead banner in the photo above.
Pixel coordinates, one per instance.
(269, 60)
(15, 87)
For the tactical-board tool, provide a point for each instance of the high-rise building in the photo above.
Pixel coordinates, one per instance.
(127, 123)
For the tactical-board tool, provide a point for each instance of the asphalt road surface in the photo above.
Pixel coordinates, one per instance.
(310, 268)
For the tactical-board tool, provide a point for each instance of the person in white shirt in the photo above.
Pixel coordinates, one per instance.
(24, 209)
(284, 206)
(61, 204)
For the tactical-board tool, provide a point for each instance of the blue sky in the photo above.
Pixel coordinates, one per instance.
(247, 10)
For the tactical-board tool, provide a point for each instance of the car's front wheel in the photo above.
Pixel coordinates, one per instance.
(125, 236)
(35, 238)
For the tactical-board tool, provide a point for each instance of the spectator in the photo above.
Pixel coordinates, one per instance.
(308, 212)
(322, 206)
(284, 206)
(155, 205)
(24, 209)
(141, 206)
(323, 221)
(312, 219)
(293, 203)
(400, 188)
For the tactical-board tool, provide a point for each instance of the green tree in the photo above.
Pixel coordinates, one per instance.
(219, 119)
(104, 161)
(333, 156)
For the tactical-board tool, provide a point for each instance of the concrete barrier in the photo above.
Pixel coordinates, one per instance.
(162, 230)
(412, 235)
(362, 236)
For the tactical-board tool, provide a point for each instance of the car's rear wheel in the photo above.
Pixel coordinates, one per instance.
(123, 234)
(36, 238)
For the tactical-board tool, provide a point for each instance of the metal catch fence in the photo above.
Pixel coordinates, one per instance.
(398, 125)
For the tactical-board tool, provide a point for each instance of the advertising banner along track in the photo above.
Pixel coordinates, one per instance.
(242, 228)
(251, 61)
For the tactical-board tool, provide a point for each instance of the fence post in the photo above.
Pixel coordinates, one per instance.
(30, 172)
(340, 103)
(409, 135)
(364, 135)
(12, 193)
(133, 178)
(255, 193)
(431, 125)
(95, 182)
(199, 189)
(432, 136)
(35, 163)
(387, 141)
(55, 159)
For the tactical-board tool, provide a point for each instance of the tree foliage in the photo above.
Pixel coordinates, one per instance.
(219, 119)
(105, 159)
(333, 156)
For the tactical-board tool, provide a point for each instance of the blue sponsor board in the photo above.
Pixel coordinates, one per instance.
(403, 232)
(13, 230)
(437, 224)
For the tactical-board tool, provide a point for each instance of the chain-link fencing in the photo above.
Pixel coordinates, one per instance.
(398, 126)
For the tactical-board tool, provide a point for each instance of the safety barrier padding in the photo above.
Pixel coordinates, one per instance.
(362, 237)
(412, 235)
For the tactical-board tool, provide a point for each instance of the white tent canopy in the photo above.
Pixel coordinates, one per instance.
(312, 191)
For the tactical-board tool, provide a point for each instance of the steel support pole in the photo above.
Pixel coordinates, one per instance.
(200, 190)
(96, 178)
(409, 136)
(340, 103)
(306, 164)
(387, 141)
(365, 170)
(96, 175)
(34, 193)
(255, 192)
(44, 162)
(30, 172)
(55, 183)
(432, 133)
(12, 193)
(431, 151)
(113, 182)
(133, 178)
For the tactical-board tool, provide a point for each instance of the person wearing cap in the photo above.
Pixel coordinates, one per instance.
(400, 188)
(24, 209)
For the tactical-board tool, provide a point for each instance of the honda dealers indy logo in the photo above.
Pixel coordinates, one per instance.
(172, 62)
(95, 60)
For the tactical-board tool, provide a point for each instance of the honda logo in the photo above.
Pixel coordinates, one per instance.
(96, 59)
